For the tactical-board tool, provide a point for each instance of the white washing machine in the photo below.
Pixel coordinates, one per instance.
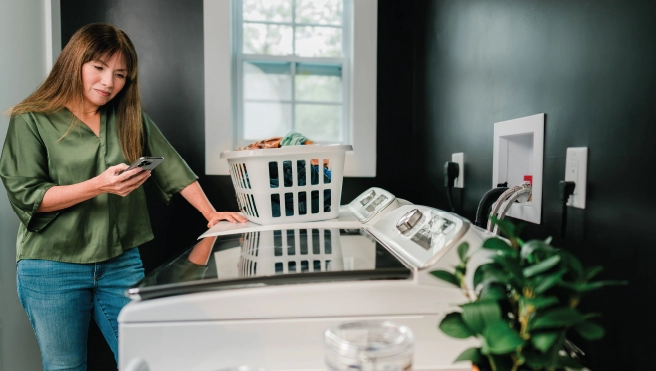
(263, 296)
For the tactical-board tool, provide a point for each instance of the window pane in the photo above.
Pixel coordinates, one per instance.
(266, 120)
(319, 122)
(268, 10)
(267, 80)
(319, 41)
(267, 39)
(319, 11)
(318, 83)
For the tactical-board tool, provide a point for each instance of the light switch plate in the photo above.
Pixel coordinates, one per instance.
(459, 158)
(576, 170)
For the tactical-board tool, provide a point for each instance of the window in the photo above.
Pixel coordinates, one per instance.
(273, 66)
(291, 60)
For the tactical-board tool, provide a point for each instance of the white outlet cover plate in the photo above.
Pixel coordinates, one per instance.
(459, 158)
(576, 170)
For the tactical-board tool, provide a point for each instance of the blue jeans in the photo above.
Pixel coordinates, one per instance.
(61, 298)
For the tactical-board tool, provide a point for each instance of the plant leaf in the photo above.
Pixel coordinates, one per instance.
(573, 264)
(591, 315)
(502, 362)
(478, 314)
(507, 228)
(569, 363)
(462, 251)
(494, 243)
(559, 317)
(533, 246)
(539, 302)
(485, 350)
(589, 330)
(501, 339)
(590, 272)
(493, 291)
(544, 340)
(492, 273)
(479, 274)
(543, 266)
(472, 354)
(512, 267)
(542, 284)
(453, 325)
(536, 360)
(446, 276)
(461, 270)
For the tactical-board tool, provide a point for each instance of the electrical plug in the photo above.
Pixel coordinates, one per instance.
(451, 172)
(565, 189)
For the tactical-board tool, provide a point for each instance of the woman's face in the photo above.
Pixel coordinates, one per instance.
(102, 80)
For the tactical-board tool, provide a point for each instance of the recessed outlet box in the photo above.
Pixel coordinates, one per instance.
(459, 158)
(519, 151)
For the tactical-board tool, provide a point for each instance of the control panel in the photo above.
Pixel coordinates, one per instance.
(419, 234)
(370, 203)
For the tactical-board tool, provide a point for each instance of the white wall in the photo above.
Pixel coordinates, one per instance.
(22, 69)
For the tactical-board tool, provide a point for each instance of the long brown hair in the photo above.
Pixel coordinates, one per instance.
(95, 41)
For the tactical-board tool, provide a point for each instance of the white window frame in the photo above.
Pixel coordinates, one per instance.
(342, 61)
(220, 128)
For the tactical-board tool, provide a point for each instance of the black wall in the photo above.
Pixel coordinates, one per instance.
(447, 71)
(589, 65)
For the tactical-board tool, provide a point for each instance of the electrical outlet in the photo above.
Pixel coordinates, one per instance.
(576, 170)
(459, 158)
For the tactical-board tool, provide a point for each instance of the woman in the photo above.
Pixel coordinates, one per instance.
(81, 216)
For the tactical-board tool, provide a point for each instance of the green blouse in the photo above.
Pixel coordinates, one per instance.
(34, 159)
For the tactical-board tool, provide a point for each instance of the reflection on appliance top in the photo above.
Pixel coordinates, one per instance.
(282, 256)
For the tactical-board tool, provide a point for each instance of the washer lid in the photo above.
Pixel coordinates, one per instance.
(273, 257)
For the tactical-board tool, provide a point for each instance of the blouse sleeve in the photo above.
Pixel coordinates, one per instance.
(173, 174)
(24, 170)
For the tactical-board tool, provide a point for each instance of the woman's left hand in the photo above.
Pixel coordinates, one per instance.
(232, 217)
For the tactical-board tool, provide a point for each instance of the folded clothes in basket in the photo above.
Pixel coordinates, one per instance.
(303, 206)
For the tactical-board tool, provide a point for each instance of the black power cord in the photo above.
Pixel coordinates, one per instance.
(485, 205)
(565, 189)
(451, 172)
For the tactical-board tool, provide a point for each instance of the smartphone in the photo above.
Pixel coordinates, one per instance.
(147, 163)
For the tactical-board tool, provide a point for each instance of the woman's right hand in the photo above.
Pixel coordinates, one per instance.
(110, 181)
(115, 182)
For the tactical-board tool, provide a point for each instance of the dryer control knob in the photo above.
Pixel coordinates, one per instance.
(409, 220)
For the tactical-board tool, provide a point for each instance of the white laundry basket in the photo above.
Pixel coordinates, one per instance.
(288, 184)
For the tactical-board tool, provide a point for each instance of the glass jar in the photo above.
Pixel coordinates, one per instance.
(369, 346)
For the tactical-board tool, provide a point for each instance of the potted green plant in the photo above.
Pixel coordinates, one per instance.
(523, 304)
